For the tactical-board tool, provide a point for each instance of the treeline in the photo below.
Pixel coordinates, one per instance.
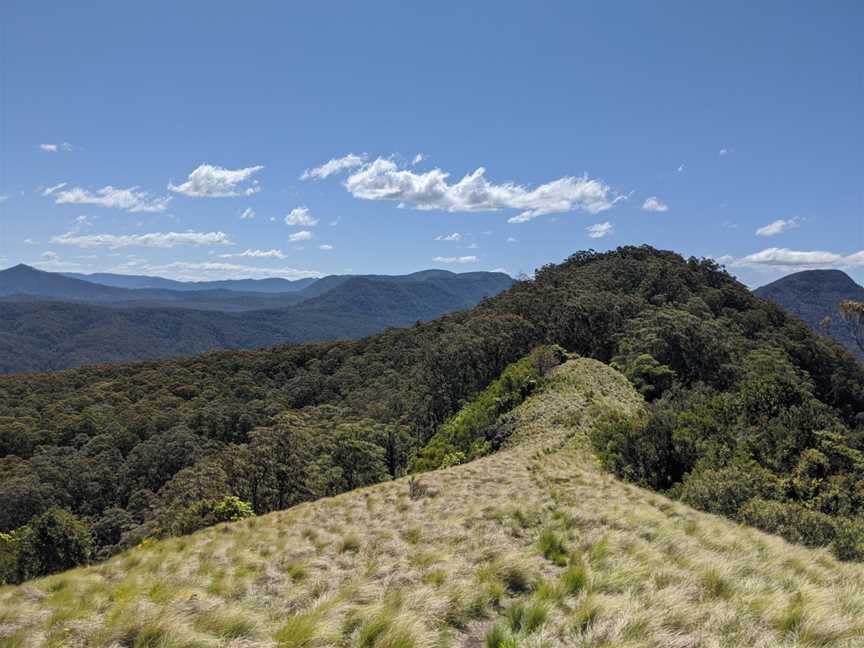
(130, 449)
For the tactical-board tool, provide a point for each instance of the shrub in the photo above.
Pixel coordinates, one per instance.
(51, 542)
(725, 490)
(801, 525)
(231, 508)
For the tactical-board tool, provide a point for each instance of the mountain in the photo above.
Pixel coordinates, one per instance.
(23, 283)
(138, 282)
(560, 437)
(43, 336)
(814, 295)
(531, 543)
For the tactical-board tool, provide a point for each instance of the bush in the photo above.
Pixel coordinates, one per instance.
(8, 557)
(724, 491)
(51, 542)
(801, 525)
(231, 508)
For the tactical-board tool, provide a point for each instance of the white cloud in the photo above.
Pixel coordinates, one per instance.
(49, 190)
(786, 258)
(725, 151)
(455, 236)
(50, 256)
(56, 148)
(30, 241)
(3, 198)
(383, 179)
(302, 235)
(202, 271)
(334, 166)
(473, 246)
(681, 168)
(208, 181)
(511, 239)
(777, 227)
(301, 216)
(130, 199)
(326, 247)
(600, 230)
(653, 204)
(255, 254)
(248, 214)
(153, 239)
(417, 159)
(455, 259)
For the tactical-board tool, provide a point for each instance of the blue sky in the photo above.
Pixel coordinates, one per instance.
(135, 136)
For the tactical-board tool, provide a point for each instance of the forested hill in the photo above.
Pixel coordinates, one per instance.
(814, 295)
(42, 336)
(747, 405)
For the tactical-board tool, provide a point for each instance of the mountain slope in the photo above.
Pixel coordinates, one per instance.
(814, 295)
(270, 285)
(38, 336)
(529, 546)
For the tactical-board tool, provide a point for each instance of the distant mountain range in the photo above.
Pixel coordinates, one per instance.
(814, 295)
(139, 282)
(50, 321)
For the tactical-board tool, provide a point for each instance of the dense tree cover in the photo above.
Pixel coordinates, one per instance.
(134, 450)
(478, 429)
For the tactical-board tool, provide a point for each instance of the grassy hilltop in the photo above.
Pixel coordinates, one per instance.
(534, 545)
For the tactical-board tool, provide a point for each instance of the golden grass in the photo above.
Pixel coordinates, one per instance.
(533, 546)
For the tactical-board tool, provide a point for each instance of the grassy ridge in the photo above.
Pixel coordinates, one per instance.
(533, 545)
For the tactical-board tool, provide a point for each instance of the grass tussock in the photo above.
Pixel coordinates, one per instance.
(531, 546)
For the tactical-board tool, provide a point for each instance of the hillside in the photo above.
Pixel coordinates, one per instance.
(814, 295)
(44, 336)
(531, 546)
(270, 285)
(748, 413)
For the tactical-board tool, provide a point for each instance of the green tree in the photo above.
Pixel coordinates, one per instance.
(51, 542)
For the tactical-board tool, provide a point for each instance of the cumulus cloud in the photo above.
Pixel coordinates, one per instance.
(780, 258)
(600, 230)
(653, 204)
(384, 179)
(302, 235)
(725, 151)
(334, 166)
(301, 216)
(50, 256)
(131, 199)
(455, 259)
(326, 247)
(49, 190)
(152, 239)
(254, 254)
(680, 168)
(417, 159)
(248, 214)
(209, 181)
(777, 227)
(455, 237)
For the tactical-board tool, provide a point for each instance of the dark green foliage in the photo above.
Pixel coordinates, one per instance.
(804, 526)
(474, 430)
(53, 541)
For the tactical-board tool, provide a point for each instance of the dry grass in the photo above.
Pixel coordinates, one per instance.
(533, 546)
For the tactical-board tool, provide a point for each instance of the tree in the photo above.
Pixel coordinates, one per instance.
(853, 313)
(51, 542)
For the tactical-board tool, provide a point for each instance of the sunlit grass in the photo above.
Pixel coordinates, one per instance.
(533, 546)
